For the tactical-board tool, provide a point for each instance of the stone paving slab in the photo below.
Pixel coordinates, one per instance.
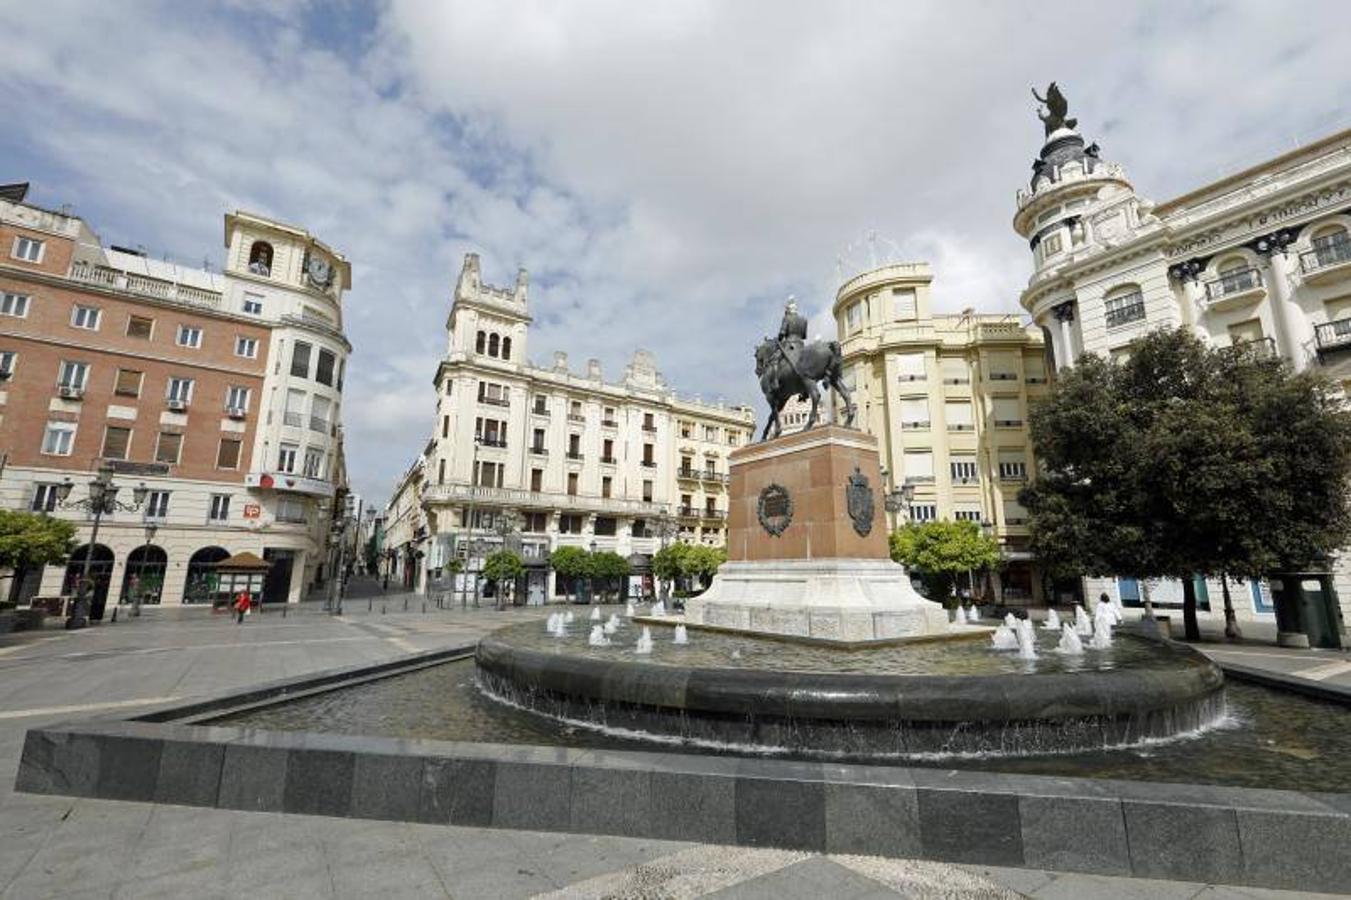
(58, 847)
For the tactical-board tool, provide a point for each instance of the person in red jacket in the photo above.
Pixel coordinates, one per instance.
(241, 605)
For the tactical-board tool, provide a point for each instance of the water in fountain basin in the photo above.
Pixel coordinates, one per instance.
(1070, 645)
(1052, 620)
(644, 644)
(1004, 638)
(681, 637)
(598, 638)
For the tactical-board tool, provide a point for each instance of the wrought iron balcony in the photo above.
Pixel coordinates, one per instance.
(1328, 261)
(687, 512)
(609, 460)
(1127, 313)
(1263, 347)
(710, 475)
(648, 463)
(574, 454)
(1334, 335)
(494, 401)
(609, 423)
(491, 441)
(539, 450)
(688, 473)
(650, 426)
(1239, 284)
(715, 514)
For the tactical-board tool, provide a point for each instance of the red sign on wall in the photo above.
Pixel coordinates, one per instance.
(252, 510)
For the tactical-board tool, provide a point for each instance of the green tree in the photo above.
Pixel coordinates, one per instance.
(502, 566)
(608, 568)
(29, 540)
(371, 555)
(700, 563)
(941, 551)
(668, 562)
(570, 563)
(1185, 460)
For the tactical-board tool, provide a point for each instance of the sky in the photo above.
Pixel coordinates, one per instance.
(668, 172)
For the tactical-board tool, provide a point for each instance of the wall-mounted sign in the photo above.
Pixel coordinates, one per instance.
(252, 510)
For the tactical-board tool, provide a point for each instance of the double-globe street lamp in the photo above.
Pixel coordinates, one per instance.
(102, 500)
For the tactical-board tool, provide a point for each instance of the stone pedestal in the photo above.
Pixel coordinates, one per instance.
(807, 546)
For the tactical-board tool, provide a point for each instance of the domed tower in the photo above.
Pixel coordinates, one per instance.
(1075, 206)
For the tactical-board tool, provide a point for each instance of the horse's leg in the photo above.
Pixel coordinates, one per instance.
(778, 423)
(837, 383)
(815, 394)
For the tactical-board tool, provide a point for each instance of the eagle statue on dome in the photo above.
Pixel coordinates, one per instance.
(1053, 118)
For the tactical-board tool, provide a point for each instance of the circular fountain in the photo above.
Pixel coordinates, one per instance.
(878, 701)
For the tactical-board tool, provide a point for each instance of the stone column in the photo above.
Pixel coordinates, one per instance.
(1064, 314)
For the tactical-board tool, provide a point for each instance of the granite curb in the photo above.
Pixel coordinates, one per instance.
(1262, 838)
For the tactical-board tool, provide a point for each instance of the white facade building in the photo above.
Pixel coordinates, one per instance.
(1263, 255)
(580, 460)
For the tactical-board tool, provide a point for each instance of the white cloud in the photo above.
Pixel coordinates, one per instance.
(670, 170)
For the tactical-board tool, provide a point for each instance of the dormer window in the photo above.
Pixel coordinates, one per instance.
(260, 258)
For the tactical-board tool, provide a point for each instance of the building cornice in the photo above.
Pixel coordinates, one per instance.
(63, 282)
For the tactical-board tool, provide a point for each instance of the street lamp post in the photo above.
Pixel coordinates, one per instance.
(102, 500)
(139, 595)
(666, 529)
(469, 539)
(591, 580)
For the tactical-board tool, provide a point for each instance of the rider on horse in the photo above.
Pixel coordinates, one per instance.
(792, 333)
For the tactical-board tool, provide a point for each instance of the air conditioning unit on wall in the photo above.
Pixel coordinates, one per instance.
(177, 405)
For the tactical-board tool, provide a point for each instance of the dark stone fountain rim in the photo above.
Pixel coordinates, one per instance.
(842, 697)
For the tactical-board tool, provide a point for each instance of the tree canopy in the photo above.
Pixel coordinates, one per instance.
(29, 539)
(502, 566)
(1186, 460)
(939, 551)
(701, 562)
(668, 562)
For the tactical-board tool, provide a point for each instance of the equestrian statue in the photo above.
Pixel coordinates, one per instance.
(791, 366)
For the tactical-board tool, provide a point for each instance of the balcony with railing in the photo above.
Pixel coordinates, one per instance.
(650, 427)
(489, 400)
(609, 423)
(688, 473)
(519, 499)
(575, 455)
(491, 440)
(576, 417)
(1133, 310)
(1334, 336)
(608, 461)
(1262, 348)
(144, 285)
(539, 450)
(714, 477)
(1327, 262)
(687, 512)
(1235, 288)
(648, 463)
(713, 515)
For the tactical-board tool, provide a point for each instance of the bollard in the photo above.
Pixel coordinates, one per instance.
(283, 610)
(370, 604)
(405, 604)
(383, 609)
(424, 607)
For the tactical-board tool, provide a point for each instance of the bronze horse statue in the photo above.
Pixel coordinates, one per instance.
(782, 378)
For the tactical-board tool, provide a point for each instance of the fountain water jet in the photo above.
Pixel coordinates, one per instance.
(595, 614)
(681, 637)
(1027, 640)
(629, 611)
(644, 644)
(598, 638)
(658, 609)
(1052, 621)
(1083, 623)
(1103, 620)
(1004, 638)
(1070, 645)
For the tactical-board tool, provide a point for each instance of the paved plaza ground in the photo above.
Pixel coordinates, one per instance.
(77, 848)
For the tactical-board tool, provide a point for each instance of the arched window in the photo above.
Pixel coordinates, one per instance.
(480, 342)
(1236, 276)
(144, 576)
(260, 258)
(202, 581)
(492, 345)
(506, 348)
(100, 573)
(1331, 245)
(1124, 304)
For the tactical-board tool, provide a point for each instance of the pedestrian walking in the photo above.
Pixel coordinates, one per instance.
(241, 605)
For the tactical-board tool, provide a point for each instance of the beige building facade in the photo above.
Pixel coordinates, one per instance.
(947, 397)
(166, 376)
(573, 458)
(1261, 256)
